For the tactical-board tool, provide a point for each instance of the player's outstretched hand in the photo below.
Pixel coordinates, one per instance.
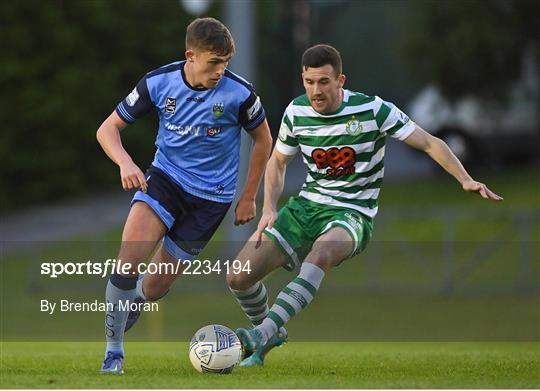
(479, 187)
(245, 211)
(132, 177)
(267, 221)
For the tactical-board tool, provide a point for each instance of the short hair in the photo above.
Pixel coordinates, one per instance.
(321, 55)
(209, 34)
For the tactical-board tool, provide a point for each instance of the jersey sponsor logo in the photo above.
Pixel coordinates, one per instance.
(183, 129)
(218, 109)
(196, 99)
(254, 109)
(354, 126)
(337, 161)
(133, 97)
(170, 105)
(213, 131)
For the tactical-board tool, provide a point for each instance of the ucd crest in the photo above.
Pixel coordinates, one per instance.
(353, 127)
(218, 109)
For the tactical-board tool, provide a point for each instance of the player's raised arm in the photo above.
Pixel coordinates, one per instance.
(246, 208)
(108, 136)
(441, 153)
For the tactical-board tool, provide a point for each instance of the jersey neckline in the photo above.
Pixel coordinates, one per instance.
(198, 89)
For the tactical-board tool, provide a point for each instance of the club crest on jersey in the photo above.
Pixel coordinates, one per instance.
(218, 109)
(170, 105)
(353, 127)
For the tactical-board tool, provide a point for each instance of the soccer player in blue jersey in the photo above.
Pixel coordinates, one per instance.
(190, 185)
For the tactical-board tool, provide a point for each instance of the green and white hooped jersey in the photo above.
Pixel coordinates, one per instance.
(343, 151)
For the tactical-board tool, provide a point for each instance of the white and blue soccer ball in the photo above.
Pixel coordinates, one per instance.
(215, 349)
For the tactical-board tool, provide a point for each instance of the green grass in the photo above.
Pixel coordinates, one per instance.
(297, 365)
(397, 290)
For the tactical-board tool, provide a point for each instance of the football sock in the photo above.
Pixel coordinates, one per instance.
(119, 288)
(254, 302)
(295, 296)
(139, 287)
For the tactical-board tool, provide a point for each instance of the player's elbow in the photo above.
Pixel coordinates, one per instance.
(436, 146)
(432, 144)
(99, 135)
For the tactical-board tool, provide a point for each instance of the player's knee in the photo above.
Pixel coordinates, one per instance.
(155, 292)
(321, 257)
(239, 282)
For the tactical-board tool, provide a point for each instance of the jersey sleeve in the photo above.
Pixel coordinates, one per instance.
(394, 122)
(251, 113)
(287, 143)
(136, 104)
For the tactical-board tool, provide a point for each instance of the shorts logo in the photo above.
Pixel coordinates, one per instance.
(354, 126)
(170, 105)
(218, 109)
(353, 220)
(339, 161)
(133, 97)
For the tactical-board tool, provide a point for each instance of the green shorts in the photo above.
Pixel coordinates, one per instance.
(301, 221)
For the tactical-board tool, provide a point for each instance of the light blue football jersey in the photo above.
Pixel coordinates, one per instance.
(198, 140)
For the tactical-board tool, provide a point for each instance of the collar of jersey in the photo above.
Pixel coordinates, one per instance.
(186, 82)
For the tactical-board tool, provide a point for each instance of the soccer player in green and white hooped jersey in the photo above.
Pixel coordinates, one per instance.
(341, 135)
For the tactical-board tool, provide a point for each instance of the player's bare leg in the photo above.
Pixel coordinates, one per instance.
(142, 231)
(330, 249)
(262, 260)
(327, 251)
(251, 293)
(156, 285)
(152, 286)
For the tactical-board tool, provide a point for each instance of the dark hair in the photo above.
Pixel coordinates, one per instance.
(321, 55)
(209, 34)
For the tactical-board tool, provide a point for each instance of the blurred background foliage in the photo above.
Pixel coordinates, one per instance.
(65, 65)
(472, 46)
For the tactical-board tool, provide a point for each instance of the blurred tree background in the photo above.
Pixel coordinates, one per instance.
(65, 66)
(472, 46)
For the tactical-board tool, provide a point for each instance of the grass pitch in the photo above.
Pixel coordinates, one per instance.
(297, 365)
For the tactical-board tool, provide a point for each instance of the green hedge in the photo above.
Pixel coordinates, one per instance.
(65, 66)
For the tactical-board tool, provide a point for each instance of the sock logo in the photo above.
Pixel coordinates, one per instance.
(298, 297)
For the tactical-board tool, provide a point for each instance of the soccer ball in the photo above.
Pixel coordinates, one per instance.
(215, 349)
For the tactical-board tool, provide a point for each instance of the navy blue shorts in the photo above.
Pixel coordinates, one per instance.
(191, 220)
